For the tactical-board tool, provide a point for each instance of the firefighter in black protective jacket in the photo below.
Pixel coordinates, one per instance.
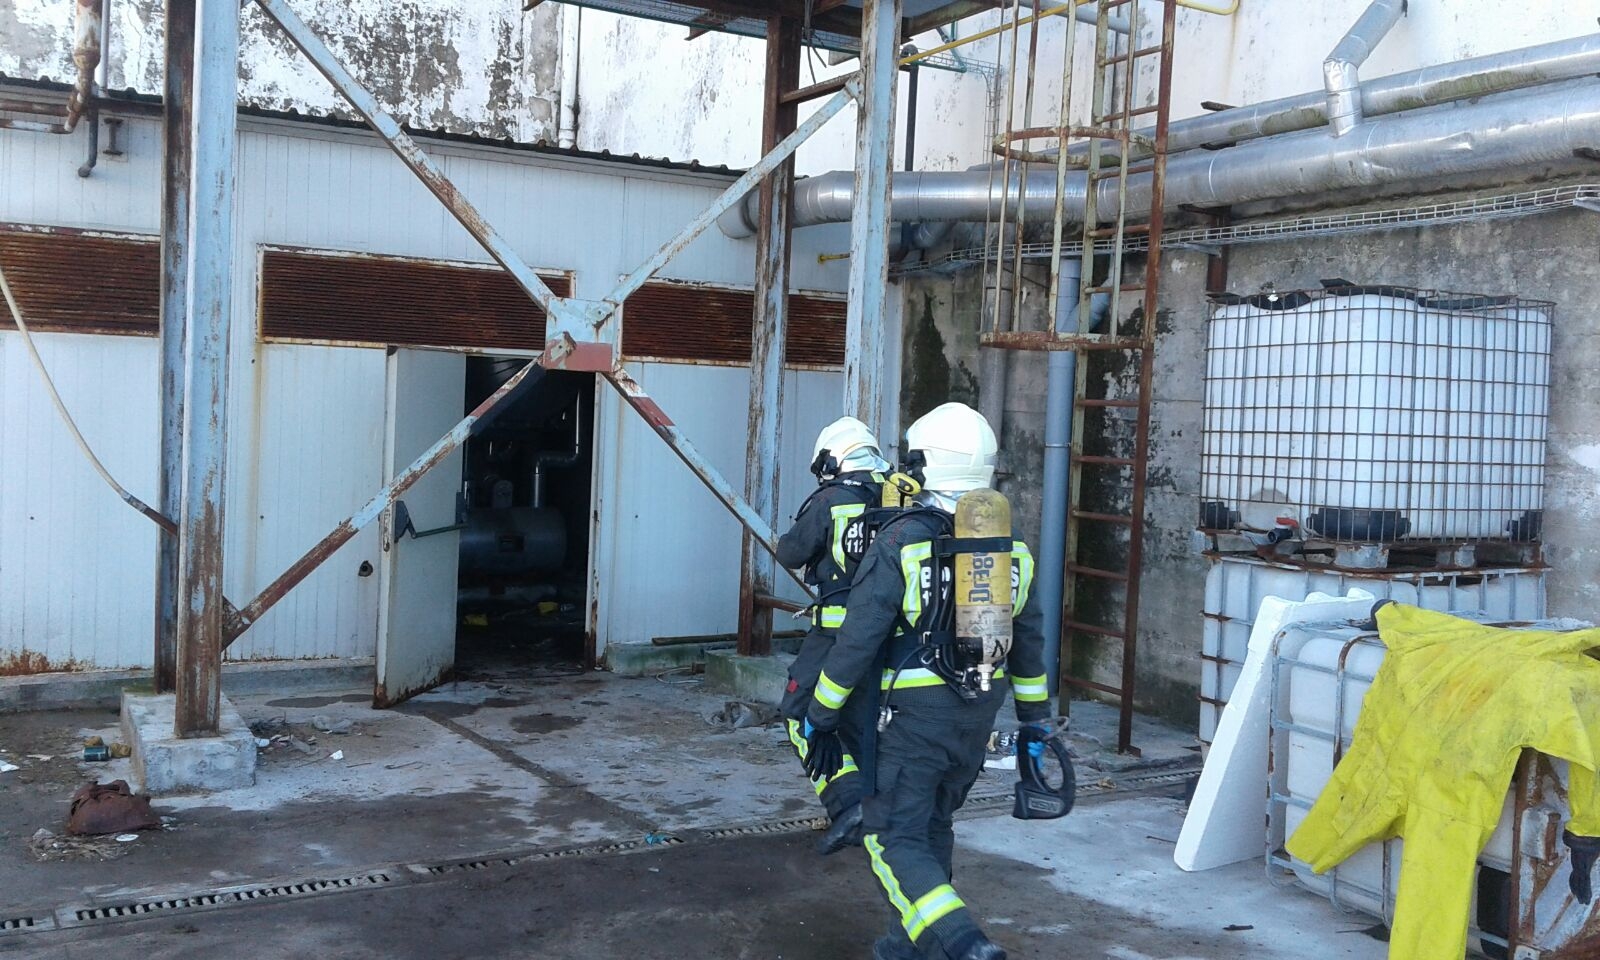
(850, 474)
(930, 752)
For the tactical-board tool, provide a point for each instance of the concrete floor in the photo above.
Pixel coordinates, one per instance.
(538, 761)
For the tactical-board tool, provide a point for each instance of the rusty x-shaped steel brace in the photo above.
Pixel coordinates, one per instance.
(580, 335)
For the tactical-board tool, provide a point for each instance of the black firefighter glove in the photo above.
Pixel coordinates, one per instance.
(824, 752)
(1584, 852)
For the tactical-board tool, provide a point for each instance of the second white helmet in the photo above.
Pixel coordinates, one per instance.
(846, 445)
(956, 448)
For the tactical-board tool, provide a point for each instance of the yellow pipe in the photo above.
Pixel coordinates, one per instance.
(1227, 11)
(986, 34)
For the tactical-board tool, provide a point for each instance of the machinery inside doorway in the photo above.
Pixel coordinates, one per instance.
(525, 495)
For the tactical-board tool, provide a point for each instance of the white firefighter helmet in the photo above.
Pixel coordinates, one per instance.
(956, 448)
(846, 445)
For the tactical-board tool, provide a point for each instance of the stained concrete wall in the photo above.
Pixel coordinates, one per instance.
(1553, 257)
(486, 68)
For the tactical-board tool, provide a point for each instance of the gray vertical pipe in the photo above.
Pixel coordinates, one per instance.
(869, 214)
(210, 297)
(177, 115)
(1060, 385)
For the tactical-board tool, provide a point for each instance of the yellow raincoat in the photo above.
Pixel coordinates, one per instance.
(1438, 740)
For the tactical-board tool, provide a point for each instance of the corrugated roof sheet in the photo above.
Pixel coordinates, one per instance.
(133, 101)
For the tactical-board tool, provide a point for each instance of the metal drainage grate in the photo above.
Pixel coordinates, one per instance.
(17, 923)
(197, 901)
(799, 825)
(656, 841)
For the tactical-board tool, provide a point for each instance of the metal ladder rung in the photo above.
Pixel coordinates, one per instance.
(1119, 519)
(1101, 461)
(1093, 628)
(1093, 685)
(1125, 57)
(1127, 114)
(1125, 288)
(1097, 573)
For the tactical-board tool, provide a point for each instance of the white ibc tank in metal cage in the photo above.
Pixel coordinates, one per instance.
(1235, 587)
(1377, 414)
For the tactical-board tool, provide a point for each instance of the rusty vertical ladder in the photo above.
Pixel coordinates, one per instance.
(1115, 110)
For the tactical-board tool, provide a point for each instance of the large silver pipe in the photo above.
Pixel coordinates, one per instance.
(1430, 86)
(1521, 130)
(1341, 71)
(1427, 87)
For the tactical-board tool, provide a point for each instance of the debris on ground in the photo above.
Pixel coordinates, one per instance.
(47, 846)
(8, 767)
(739, 715)
(269, 728)
(96, 753)
(121, 751)
(299, 745)
(336, 755)
(94, 741)
(101, 808)
(333, 725)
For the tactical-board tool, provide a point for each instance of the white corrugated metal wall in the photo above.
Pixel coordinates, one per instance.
(306, 422)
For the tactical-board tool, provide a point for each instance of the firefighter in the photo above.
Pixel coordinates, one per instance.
(938, 716)
(825, 542)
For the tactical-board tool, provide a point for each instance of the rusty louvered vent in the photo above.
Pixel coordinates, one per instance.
(82, 283)
(352, 298)
(684, 321)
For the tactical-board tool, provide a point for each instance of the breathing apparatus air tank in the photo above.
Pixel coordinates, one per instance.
(983, 597)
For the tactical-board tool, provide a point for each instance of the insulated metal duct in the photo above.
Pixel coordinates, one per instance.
(1529, 129)
(960, 195)
(1427, 87)
(1341, 72)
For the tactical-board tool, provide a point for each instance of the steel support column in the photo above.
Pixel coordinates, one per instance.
(869, 220)
(769, 334)
(210, 298)
(177, 106)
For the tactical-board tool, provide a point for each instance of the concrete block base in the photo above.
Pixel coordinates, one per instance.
(753, 679)
(647, 659)
(163, 763)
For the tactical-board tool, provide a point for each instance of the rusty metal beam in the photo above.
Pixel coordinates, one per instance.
(819, 89)
(426, 170)
(641, 402)
(381, 501)
(769, 333)
(177, 104)
(209, 295)
(735, 193)
(564, 316)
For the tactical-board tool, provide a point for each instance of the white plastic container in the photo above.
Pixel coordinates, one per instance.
(1378, 416)
(1308, 696)
(1235, 587)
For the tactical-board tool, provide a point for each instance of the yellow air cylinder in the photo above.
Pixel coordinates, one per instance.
(983, 580)
(898, 490)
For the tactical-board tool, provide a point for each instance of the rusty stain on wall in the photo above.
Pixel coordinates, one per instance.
(27, 663)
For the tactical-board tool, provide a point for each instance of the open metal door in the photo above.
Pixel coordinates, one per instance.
(417, 612)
